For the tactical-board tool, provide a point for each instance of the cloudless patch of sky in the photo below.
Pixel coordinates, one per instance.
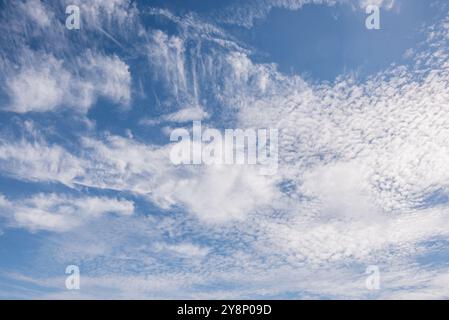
(323, 42)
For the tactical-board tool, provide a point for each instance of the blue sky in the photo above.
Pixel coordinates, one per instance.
(86, 178)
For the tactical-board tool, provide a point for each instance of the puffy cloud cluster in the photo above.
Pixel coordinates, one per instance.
(44, 83)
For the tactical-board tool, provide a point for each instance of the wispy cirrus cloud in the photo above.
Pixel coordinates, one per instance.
(59, 213)
(247, 14)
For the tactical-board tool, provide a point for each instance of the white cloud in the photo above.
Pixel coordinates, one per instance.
(38, 161)
(108, 76)
(39, 87)
(220, 193)
(167, 55)
(60, 213)
(183, 249)
(44, 83)
(184, 115)
(212, 193)
(343, 191)
(37, 12)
